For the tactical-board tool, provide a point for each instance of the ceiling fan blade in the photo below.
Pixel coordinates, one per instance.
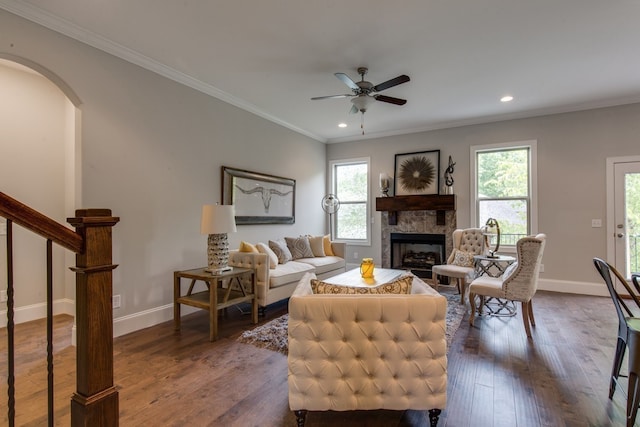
(353, 110)
(347, 80)
(391, 83)
(331, 96)
(390, 99)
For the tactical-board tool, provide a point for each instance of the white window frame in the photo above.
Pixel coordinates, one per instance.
(532, 145)
(332, 186)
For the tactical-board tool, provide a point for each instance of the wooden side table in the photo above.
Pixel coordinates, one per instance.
(217, 296)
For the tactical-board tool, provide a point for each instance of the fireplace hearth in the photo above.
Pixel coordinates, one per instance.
(417, 252)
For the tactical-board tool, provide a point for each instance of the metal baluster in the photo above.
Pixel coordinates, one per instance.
(50, 329)
(11, 379)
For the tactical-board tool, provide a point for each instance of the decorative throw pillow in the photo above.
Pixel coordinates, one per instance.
(281, 250)
(509, 271)
(247, 247)
(462, 258)
(398, 286)
(273, 258)
(326, 245)
(299, 247)
(317, 246)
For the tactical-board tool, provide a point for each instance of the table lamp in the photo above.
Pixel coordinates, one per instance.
(217, 221)
(491, 231)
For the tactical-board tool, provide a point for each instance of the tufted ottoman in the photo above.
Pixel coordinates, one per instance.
(364, 352)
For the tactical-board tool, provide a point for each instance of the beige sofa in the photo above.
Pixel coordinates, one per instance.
(365, 352)
(278, 284)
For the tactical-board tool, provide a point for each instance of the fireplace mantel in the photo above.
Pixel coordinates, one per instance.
(430, 202)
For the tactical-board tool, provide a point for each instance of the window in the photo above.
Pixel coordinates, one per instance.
(504, 188)
(350, 184)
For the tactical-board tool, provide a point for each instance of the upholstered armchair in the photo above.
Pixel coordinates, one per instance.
(459, 266)
(518, 283)
(365, 352)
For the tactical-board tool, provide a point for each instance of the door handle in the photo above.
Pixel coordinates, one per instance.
(621, 235)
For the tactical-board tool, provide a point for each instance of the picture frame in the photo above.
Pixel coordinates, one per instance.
(259, 198)
(417, 173)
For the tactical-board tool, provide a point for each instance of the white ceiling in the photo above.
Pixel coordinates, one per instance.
(271, 57)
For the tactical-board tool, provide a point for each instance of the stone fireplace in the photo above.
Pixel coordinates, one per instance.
(418, 228)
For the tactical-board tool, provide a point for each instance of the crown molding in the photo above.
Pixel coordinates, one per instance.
(69, 29)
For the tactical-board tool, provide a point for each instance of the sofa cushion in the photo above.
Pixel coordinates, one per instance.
(281, 250)
(462, 258)
(286, 273)
(398, 286)
(299, 247)
(324, 264)
(247, 247)
(317, 247)
(326, 243)
(273, 258)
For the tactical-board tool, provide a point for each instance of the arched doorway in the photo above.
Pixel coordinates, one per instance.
(40, 146)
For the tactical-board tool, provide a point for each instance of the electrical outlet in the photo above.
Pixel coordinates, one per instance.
(596, 223)
(3, 227)
(3, 296)
(116, 301)
(355, 255)
(541, 268)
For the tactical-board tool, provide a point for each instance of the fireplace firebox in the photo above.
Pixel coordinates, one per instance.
(417, 252)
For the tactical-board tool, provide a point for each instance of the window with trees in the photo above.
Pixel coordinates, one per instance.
(350, 184)
(504, 188)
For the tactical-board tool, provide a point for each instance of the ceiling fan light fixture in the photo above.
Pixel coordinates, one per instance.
(506, 98)
(362, 102)
(342, 125)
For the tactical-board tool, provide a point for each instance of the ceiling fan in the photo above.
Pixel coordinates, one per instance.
(365, 92)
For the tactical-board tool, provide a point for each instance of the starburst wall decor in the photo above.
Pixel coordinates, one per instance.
(417, 173)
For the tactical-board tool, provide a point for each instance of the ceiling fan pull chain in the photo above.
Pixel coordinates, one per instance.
(362, 123)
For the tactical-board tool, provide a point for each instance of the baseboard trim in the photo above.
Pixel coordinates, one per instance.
(147, 318)
(571, 287)
(31, 312)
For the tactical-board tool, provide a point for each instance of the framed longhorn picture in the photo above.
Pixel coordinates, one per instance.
(259, 198)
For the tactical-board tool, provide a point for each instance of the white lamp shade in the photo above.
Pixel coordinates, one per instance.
(218, 219)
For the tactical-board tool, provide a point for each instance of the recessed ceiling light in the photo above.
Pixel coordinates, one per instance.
(342, 125)
(506, 98)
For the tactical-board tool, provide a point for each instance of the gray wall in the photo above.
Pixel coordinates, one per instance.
(152, 150)
(572, 152)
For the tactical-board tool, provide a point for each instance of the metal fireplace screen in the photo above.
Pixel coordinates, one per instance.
(417, 252)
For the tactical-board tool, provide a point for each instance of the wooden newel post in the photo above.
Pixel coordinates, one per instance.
(95, 402)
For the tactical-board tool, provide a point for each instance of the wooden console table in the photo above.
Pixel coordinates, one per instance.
(217, 296)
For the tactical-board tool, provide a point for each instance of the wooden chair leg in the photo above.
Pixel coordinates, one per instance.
(531, 318)
(525, 318)
(436, 282)
(461, 289)
(434, 414)
(301, 416)
(472, 303)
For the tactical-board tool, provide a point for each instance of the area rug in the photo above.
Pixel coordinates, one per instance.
(273, 335)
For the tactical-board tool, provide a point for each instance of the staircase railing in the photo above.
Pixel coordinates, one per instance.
(95, 401)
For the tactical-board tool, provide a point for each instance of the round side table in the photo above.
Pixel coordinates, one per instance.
(494, 267)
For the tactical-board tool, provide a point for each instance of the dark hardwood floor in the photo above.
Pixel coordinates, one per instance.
(496, 376)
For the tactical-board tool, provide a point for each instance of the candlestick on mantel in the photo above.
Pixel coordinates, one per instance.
(384, 184)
